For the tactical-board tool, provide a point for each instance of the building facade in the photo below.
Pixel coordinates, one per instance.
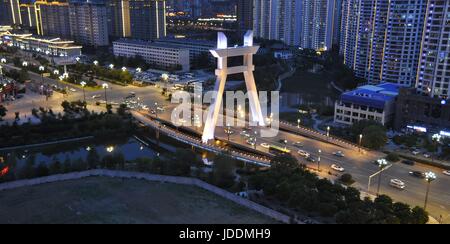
(367, 103)
(89, 22)
(53, 19)
(380, 40)
(244, 11)
(416, 110)
(118, 12)
(197, 48)
(433, 77)
(165, 56)
(278, 20)
(147, 19)
(317, 24)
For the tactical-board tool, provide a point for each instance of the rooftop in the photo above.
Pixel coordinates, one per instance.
(372, 95)
(147, 43)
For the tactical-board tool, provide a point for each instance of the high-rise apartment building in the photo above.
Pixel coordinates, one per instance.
(53, 18)
(118, 12)
(277, 20)
(5, 12)
(244, 11)
(433, 78)
(88, 22)
(317, 24)
(380, 40)
(147, 19)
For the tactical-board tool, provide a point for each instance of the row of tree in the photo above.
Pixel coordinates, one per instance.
(290, 183)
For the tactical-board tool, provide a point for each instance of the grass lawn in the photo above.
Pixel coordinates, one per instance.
(112, 201)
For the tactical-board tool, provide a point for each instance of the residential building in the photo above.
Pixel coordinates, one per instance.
(244, 11)
(5, 12)
(53, 18)
(118, 12)
(317, 24)
(88, 22)
(147, 19)
(433, 77)
(164, 56)
(367, 102)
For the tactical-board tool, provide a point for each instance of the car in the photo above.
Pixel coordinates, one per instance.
(265, 145)
(284, 141)
(415, 152)
(408, 162)
(396, 183)
(446, 172)
(244, 133)
(417, 174)
(339, 154)
(229, 132)
(337, 168)
(298, 144)
(426, 155)
(304, 154)
(250, 142)
(161, 109)
(311, 159)
(96, 96)
(72, 90)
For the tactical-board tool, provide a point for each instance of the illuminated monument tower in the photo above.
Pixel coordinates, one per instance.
(222, 53)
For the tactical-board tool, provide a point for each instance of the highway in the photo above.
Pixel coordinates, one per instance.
(359, 165)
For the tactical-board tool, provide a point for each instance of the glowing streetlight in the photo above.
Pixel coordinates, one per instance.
(124, 69)
(318, 160)
(83, 84)
(328, 131)
(105, 87)
(165, 77)
(41, 68)
(429, 177)
(56, 72)
(95, 62)
(139, 70)
(110, 149)
(382, 163)
(77, 59)
(298, 123)
(111, 66)
(360, 142)
(24, 63)
(3, 60)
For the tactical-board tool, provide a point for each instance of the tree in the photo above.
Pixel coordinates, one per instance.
(93, 159)
(284, 163)
(42, 170)
(66, 106)
(374, 137)
(55, 167)
(3, 111)
(109, 108)
(223, 170)
(122, 110)
(347, 179)
(393, 157)
(419, 216)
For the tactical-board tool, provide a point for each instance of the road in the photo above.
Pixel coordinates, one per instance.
(359, 165)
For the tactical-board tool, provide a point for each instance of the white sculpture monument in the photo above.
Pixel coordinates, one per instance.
(222, 53)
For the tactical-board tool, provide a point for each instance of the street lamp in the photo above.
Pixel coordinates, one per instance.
(95, 62)
(318, 161)
(285, 144)
(256, 134)
(83, 84)
(42, 69)
(124, 69)
(382, 163)
(328, 131)
(111, 66)
(298, 123)
(77, 59)
(360, 142)
(105, 86)
(228, 131)
(110, 149)
(56, 72)
(430, 177)
(25, 64)
(139, 70)
(3, 60)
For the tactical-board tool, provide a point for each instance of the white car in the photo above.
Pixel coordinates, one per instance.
(250, 142)
(339, 154)
(446, 172)
(298, 144)
(337, 168)
(426, 155)
(96, 96)
(304, 154)
(397, 184)
(72, 90)
(415, 152)
(265, 145)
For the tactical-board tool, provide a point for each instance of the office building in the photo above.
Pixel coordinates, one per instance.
(28, 14)
(89, 22)
(118, 12)
(163, 56)
(197, 48)
(367, 103)
(5, 12)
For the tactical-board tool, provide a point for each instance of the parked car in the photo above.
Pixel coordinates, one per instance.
(311, 159)
(446, 172)
(339, 154)
(409, 162)
(415, 152)
(298, 144)
(426, 155)
(417, 174)
(96, 96)
(396, 183)
(337, 168)
(265, 145)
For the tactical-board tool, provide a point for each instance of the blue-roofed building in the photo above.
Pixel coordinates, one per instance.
(367, 102)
